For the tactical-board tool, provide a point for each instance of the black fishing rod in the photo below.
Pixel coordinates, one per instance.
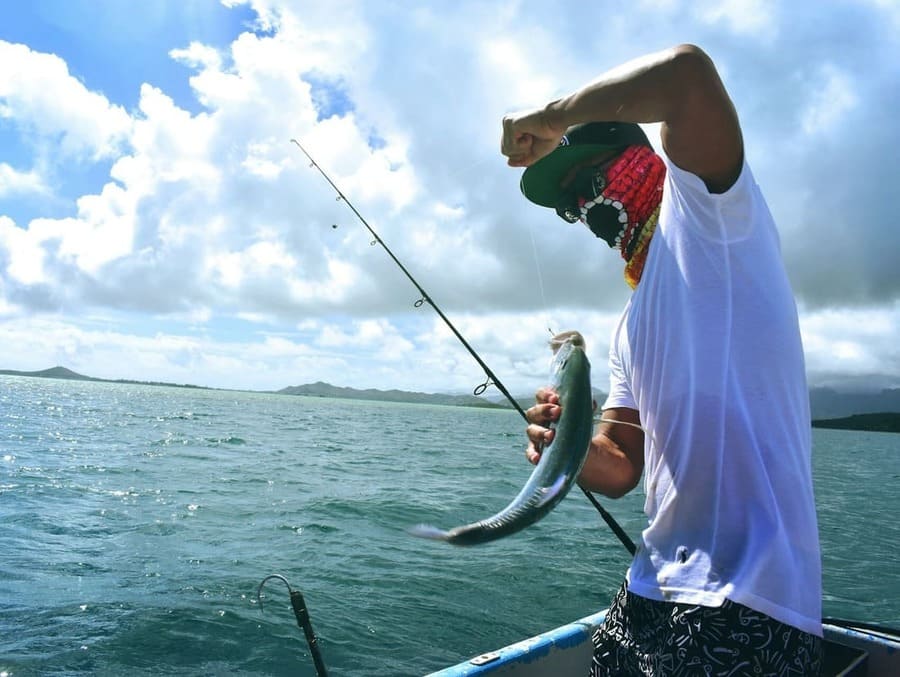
(491, 377)
(301, 613)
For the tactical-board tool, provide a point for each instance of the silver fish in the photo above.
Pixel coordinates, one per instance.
(560, 461)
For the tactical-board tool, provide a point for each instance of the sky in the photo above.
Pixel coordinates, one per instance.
(157, 223)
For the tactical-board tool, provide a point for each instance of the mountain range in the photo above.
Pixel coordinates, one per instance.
(825, 403)
(69, 375)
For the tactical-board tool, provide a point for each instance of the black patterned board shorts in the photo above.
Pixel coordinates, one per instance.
(641, 636)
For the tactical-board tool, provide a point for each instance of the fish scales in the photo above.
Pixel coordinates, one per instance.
(560, 463)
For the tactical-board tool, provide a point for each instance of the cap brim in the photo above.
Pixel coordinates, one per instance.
(541, 181)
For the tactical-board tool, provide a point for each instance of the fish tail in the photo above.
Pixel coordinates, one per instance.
(428, 531)
(560, 339)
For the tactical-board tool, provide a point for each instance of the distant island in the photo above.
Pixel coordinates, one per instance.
(830, 408)
(69, 375)
(885, 422)
(320, 389)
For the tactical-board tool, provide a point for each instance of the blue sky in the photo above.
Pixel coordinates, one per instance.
(156, 222)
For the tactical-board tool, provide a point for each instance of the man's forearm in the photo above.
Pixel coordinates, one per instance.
(641, 90)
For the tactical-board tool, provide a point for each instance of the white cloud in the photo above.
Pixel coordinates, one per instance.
(377, 337)
(891, 11)
(200, 194)
(13, 182)
(7, 309)
(259, 162)
(756, 19)
(199, 56)
(659, 5)
(853, 346)
(101, 233)
(512, 62)
(24, 255)
(742, 17)
(170, 145)
(35, 343)
(40, 95)
(832, 98)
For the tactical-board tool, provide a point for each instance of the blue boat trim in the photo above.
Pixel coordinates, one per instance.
(563, 638)
(852, 648)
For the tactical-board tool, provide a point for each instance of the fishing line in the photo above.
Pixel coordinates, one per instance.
(491, 377)
(612, 420)
(469, 168)
(537, 267)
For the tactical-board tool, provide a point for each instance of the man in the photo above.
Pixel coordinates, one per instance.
(706, 359)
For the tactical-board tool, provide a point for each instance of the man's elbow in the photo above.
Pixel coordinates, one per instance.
(692, 64)
(609, 486)
(622, 488)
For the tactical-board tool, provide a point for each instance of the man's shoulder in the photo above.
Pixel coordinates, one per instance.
(693, 194)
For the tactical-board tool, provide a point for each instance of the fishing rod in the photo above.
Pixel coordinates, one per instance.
(491, 377)
(301, 613)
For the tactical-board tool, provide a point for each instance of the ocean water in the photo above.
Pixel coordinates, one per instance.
(137, 522)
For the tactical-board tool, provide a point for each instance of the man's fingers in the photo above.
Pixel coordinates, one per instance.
(543, 414)
(546, 394)
(517, 146)
(538, 438)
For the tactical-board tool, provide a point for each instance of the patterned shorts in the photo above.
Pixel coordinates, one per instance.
(641, 636)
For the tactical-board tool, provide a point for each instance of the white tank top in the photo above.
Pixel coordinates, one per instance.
(708, 351)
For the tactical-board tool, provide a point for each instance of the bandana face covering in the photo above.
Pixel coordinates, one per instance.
(620, 204)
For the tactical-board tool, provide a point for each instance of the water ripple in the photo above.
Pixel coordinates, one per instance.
(136, 524)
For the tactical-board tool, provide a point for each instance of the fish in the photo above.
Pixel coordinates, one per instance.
(560, 463)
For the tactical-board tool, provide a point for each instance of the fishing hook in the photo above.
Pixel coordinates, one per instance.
(302, 615)
(491, 377)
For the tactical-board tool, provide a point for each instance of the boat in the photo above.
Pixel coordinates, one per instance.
(852, 649)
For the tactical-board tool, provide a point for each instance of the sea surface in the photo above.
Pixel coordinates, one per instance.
(137, 522)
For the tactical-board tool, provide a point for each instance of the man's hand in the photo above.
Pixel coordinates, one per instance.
(527, 137)
(540, 416)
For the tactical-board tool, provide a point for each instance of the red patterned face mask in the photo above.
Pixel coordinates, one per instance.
(623, 206)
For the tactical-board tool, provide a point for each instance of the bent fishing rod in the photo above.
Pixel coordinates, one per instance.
(491, 377)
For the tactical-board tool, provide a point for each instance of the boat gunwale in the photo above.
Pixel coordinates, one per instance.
(571, 636)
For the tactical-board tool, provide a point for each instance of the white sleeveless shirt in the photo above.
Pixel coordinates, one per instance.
(708, 351)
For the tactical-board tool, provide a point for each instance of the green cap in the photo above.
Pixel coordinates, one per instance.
(540, 182)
